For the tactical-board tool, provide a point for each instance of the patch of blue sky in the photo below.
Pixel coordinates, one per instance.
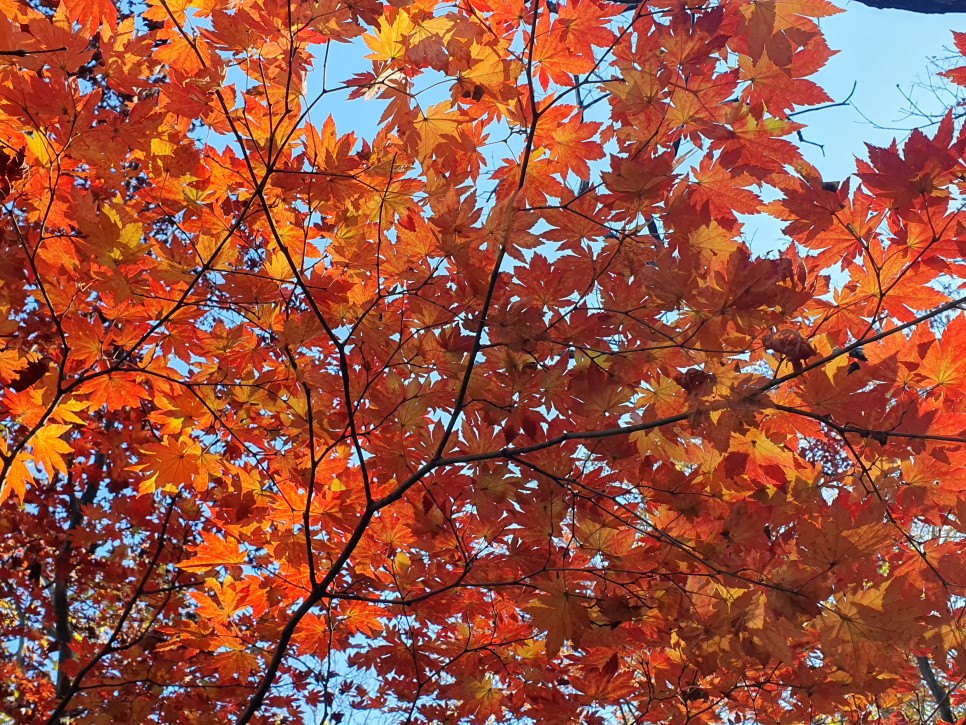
(884, 67)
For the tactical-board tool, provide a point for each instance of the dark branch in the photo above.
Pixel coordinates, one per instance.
(919, 6)
(937, 690)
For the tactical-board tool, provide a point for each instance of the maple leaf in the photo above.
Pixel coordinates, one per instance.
(21, 371)
(362, 617)
(562, 615)
(958, 75)
(49, 447)
(778, 89)
(483, 695)
(942, 366)
(554, 53)
(921, 173)
(436, 127)
(717, 187)
(100, 15)
(16, 477)
(174, 462)
(390, 41)
(213, 551)
(570, 141)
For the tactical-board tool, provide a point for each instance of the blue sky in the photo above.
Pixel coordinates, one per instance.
(886, 56)
(885, 53)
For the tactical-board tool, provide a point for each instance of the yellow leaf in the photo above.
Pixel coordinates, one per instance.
(437, 126)
(48, 447)
(387, 42)
(40, 147)
(67, 412)
(488, 67)
(15, 480)
(160, 147)
(713, 238)
(131, 234)
(277, 267)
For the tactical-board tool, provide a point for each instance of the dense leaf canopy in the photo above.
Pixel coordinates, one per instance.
(477, 406)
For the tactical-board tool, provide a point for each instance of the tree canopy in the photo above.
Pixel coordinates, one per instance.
(408, 362)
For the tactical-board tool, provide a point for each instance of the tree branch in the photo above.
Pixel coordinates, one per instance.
(918, 6)
(936, 688)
